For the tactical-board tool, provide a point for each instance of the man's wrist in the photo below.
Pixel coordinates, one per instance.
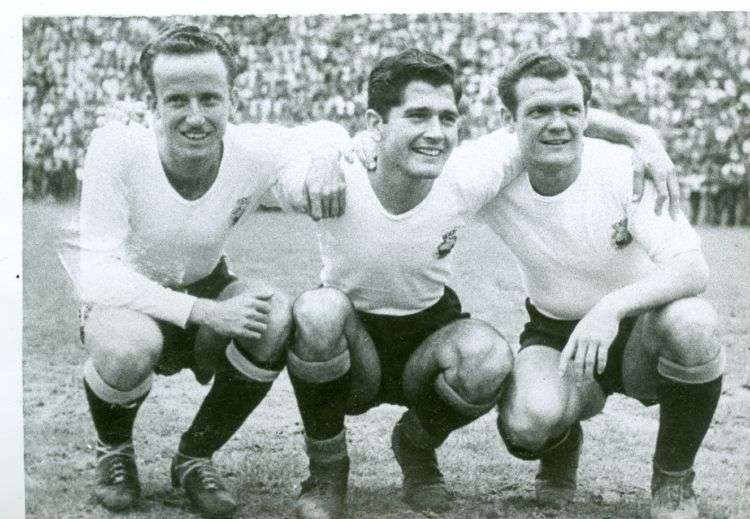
(611, 304)
(645, 136)
(201, 311)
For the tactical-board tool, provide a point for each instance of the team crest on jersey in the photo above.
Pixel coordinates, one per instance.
(239, 209)
(449, 240)
(621, 236)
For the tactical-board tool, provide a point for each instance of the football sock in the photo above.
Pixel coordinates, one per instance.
(439, 414)
(113, 411)
(227, 405)
(322, 391)
(325, 452)
(685, 415)
(113, 422)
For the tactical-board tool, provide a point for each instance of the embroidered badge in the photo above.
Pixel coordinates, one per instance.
(239, 210)
(621, 236)
(449, 240)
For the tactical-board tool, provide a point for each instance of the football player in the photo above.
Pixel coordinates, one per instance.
(385, 327)
(157, 207)
(612, 293)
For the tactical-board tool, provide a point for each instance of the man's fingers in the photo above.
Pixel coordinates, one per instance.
(579, 362)
(248, 334)
(673, 186)
(638, 179)
(261, 306)
(591, 358)
(661, 197)
(341, 195)
(256, 326)
(334, 205)
(565, 355)
(327, 203)
(601, 361)
(314, 205)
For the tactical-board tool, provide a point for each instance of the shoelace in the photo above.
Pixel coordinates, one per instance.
(117, 469)
(205, 469)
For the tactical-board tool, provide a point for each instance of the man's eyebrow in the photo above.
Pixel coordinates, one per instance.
(417, 109)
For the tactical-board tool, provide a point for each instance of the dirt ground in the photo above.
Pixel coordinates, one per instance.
(265, 462)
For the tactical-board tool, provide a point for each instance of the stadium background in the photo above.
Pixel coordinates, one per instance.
(686, 74)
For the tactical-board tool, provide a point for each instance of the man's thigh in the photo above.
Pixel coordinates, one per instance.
(472, 356)
(641, 356)
(537, 386)
(123, 344)
(397, 338)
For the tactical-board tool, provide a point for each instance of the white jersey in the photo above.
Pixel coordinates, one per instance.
(399, 264)
(141, 242)
(572, 247)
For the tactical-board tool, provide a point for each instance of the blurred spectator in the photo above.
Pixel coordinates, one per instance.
(692, 186)
(687, 74)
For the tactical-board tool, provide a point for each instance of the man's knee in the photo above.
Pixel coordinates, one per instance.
(531, 421)
(686, 328)
(124, 345)
(270, 348)
(477, 368)
(319, 318)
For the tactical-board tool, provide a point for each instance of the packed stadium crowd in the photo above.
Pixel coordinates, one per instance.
(686, 74)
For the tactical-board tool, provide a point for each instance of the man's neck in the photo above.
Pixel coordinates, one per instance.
(397, 192)
(553, 181)
(191, 177)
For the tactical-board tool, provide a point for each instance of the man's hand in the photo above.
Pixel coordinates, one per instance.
(325, 186)
(650, 158)
(589, 344)
(244, 316)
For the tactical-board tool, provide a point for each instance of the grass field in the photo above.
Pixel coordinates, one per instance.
(264, 462)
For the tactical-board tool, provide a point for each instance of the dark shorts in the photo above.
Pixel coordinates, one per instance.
(177, 349)
(396, 338)
(554, 333)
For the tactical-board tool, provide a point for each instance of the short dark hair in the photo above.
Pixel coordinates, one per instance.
(548, 64)
(389, 78)
(186, 40)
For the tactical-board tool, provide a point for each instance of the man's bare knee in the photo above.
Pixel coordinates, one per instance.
(271, 346)
(687, 328)
(319, 318)
(480, 364)
(124, 345)
(532, 419)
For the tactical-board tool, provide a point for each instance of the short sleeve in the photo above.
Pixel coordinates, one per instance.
(478, 169)
(660, 235)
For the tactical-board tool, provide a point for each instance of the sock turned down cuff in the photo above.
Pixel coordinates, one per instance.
(707, 372)
(110, 394)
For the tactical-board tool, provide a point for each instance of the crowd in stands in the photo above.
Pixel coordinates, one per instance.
(687, 74)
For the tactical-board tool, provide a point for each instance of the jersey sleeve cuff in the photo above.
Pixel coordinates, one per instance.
(177, 308)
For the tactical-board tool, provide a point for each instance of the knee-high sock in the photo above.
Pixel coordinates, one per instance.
(687, 405)
(322, 391)
(440, 411)
(112, 411)
(231, 399)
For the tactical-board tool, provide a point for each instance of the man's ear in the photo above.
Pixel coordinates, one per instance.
(585, 118)
(374, 124)
(509, 122)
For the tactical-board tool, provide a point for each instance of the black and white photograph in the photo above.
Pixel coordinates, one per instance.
(403, 264)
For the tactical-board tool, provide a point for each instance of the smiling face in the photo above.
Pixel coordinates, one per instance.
(420, 133)
(191, 104)
(549, 120)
